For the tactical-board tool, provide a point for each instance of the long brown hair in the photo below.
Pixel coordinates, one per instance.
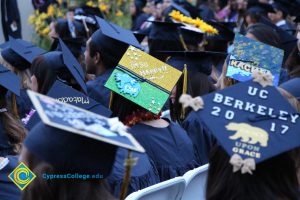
(60, 189)
(12, 126)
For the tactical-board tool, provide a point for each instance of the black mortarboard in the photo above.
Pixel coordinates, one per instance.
(191, 37)
(73, 65)
(252, 121)
(9, 80)
(165, 31)
(195, 61)
(74, 140)
(139, 36)
(225, 29)
(292, 86)
(288, 41)
(20, 54)
(75, 45)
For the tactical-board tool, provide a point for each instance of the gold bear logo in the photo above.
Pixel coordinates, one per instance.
(248, 133)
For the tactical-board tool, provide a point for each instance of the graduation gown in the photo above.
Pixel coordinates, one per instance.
(200, 135)
(5, 147)
(97, 90)
(143, 174)
(170, 149)
(8, 190)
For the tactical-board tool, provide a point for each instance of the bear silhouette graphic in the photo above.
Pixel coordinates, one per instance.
(249, 134)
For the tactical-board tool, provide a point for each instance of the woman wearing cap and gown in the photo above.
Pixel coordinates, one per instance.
(16, 62)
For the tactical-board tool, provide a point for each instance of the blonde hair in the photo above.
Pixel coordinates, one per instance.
(25, 75)
(224, 81)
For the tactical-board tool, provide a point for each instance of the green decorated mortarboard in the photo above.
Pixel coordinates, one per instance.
(143, 79)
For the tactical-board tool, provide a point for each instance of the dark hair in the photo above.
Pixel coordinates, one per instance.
(293, 63)
(274, 178)
(265, 34)
(197, 85)
(60, 189)
(13, 128)
(46, 75)
(254, 16)
(62, 29)
(122, 107)
(109, 60)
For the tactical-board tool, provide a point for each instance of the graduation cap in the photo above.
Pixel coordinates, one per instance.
(67, 94)
(74, 140)
(20, 53)
(225, 29)
(165, 31)
(139, 36)
(143, 79)
(191, 37)
(118, 33)
(73, 65)
(253, 122)
(288, 41)
(9, 80)
(175, 6)
(195, 61)
(292, 86)
(75, 45)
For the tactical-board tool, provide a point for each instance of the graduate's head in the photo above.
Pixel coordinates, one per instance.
(106, 46)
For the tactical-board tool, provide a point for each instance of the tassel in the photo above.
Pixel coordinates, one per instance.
(184, 89)
(111, 99)
(14, 106)
(183, 42)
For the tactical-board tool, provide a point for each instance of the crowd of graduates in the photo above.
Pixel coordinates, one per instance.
(83, 63)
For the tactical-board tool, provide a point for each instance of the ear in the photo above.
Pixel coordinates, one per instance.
(97, 58)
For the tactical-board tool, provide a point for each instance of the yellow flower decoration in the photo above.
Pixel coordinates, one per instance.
(31, 19)
(50, 10)
(90, 3)
(204, 27)
(103, 7)
(119, 13)
(46, 31)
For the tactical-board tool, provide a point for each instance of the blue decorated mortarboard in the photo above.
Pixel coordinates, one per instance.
(75, 140)
(253, 121)
(20, 53)
(73, 65)
(67, 94)
(118, 33)
(249, 55)
(9, 80)
(292, 86)
(195, 61)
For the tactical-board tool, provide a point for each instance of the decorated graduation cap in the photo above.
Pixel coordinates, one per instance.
(20, 53)
(143, 80)
(249, 55)
(74, 140)
(254, 121)
(190, 36)
(164, 31)
(194, 61)
(73, 65)
(9, 80)
(66, 94)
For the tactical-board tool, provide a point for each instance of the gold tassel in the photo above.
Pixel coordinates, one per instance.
(184, 89)
(183, 43)
(111, 99)
(14, 106)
